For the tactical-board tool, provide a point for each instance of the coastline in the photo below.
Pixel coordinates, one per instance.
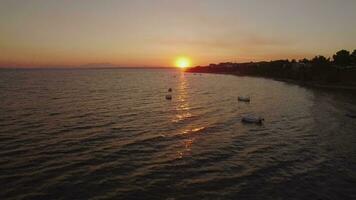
(313, 84)
(318, 84)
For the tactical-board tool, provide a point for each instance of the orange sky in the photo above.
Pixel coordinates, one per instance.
(47, 33)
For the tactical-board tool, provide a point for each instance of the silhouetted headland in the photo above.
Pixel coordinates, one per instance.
(338, 73)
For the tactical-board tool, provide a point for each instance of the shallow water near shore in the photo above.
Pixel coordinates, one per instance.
(111, 134)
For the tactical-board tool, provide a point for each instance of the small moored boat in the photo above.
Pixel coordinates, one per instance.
(243, 98)
(252, 119)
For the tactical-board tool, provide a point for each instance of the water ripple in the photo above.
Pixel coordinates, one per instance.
(110, 134)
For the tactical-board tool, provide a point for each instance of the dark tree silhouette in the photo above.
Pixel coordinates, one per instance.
(342, 58)
(304, 60)
(320, 61)
(353, 57)
(317, 70)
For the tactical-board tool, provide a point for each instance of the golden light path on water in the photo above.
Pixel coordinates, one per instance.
(184, 113)
(182, 106)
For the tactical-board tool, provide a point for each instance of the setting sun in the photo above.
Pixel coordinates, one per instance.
(183, 62)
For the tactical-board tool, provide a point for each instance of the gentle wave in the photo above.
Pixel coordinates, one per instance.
(80, 134)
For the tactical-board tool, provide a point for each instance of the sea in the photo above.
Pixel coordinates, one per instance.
(111, 134)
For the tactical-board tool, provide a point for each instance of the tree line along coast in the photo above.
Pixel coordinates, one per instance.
(338, 72)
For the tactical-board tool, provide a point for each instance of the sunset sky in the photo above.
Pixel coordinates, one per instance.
(156, 32)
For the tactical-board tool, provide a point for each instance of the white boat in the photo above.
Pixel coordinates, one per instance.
(243, 98)
(252, 119)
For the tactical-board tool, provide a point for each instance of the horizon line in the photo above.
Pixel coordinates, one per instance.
(79, 67)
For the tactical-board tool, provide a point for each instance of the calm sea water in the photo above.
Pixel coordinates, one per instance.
(111, 134)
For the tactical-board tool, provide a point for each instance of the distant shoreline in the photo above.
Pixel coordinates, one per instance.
(319, 72)
(296, 82)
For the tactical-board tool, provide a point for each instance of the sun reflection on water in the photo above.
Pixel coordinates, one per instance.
(187, 145)
(193, 130)
(182, 107)
(183, 110)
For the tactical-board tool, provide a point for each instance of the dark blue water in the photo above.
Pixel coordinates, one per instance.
(111, 134)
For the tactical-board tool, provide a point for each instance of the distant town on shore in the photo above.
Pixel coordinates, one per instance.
(338, 71)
